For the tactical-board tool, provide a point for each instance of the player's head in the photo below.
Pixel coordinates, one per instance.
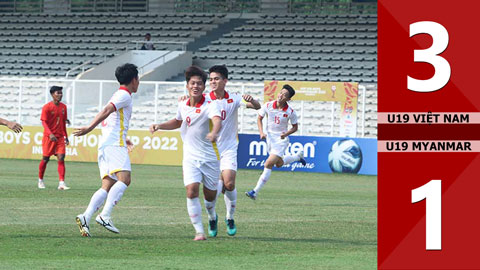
(196, 79)
(57, 93)
(148, 36)
(127, 75)
(218, 77)
(285, 94)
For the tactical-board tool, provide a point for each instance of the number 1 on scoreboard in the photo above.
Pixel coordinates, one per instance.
(432, 192)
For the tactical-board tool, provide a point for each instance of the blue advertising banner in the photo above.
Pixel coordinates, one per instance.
(322, 154)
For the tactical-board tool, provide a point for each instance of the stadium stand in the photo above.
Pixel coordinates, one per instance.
(49, 45)
(255, 47)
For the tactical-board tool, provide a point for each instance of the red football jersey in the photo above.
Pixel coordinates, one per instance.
(55, 117)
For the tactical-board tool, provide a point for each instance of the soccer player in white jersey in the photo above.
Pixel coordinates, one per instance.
(227, 142)
(278, 114)
(113, 148)
(199, 122)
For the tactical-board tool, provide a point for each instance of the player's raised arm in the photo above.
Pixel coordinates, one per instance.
(97, 120)
(169, 125)
(11, 125)
(251, 102)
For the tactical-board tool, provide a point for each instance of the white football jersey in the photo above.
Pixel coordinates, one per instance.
(115, 127)
(277, 119)
(195, 127)
(228, 106)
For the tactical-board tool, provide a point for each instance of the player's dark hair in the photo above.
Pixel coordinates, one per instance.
(220, 69)
(126, 73)
(290, 90)
(54, 88)
(195, 71)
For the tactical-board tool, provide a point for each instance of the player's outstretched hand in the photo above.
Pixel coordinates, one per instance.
(81, 131)
(153, 128)
(212, 136)
(263, 136)
(247, 98)
(130, 145)
(14, 126)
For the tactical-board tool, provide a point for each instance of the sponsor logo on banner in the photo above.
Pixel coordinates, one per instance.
(252, 153)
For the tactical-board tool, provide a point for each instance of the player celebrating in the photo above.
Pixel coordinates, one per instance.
(227, 142)
(17, 128)
(278, 114)
(113, 148)
(54, 120)
(200, 154)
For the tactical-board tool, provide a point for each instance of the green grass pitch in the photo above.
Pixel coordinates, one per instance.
(299, 221)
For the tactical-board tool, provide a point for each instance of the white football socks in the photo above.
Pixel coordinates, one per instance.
(195, 212)
(210, 207)
(263, 179)
(230, 202)
(114, 196)
(95, 203)
(289, 159)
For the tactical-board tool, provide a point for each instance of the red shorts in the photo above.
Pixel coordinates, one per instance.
(53, 148)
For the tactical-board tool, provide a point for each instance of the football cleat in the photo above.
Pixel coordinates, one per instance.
(82, 225)
(62, 186)
(231, 228)
(107, 223)
(302, 159)
(41, 184)
(199, 237)
(212, 227)
(251, 194)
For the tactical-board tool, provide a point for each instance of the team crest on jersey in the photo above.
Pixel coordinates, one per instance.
(230, 101)
(285, 115)
(198, 110)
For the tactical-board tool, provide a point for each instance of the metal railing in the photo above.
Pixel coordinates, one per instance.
(171, 45)
(154, 100)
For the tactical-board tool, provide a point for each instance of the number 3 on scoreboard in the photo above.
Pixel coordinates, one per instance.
(432, 192)
(442, 68)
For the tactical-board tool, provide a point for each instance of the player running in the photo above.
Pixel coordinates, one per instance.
(55, 138)
(227, 142)
(200, 153)
(113, 148)
(278, 114)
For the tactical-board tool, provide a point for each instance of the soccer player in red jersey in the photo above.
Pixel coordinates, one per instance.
(54, 119)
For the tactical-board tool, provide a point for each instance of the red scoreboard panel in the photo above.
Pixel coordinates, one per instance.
(428, 134)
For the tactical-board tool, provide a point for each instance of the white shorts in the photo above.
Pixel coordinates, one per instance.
(276, 145)
(112, 159)
(228, 160)
(195, 171)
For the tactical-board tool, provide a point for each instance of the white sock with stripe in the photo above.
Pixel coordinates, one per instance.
(114, 196)
(289, 159)
(195, 212)
(95, 203)
(210, 207)
(230, 202)
(263, 179)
